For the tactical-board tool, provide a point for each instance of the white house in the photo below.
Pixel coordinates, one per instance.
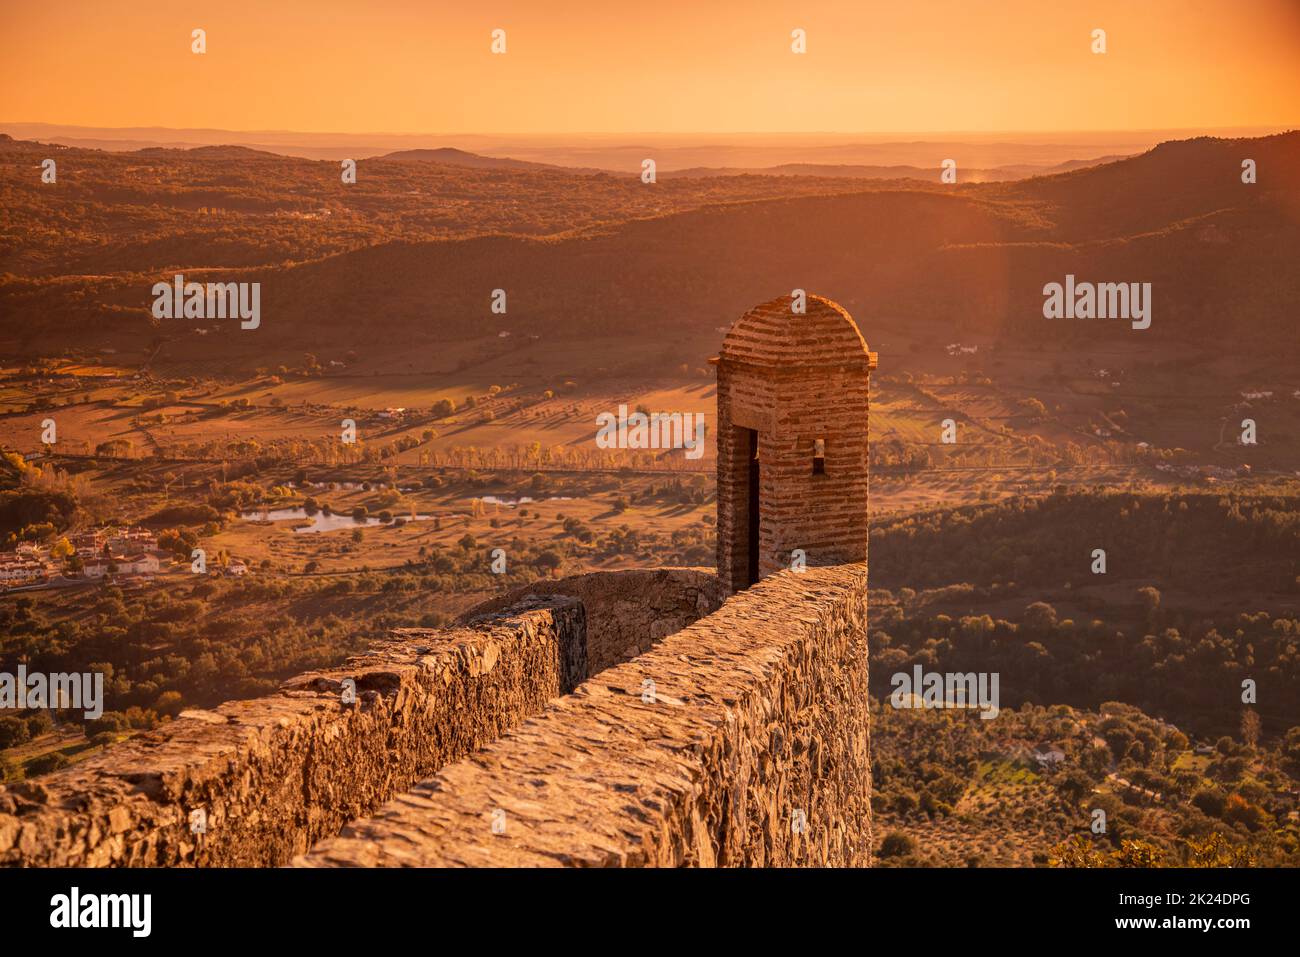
(1048, 755)
(95, 568)
(141, 563)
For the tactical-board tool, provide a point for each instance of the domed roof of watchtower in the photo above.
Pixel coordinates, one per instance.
(773, 335)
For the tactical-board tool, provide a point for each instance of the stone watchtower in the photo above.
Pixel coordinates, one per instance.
(792, 440)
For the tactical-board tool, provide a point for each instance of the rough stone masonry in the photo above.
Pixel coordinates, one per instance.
(752, 748)
(272, 775)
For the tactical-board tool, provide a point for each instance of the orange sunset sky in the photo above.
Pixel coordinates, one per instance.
(669, 66)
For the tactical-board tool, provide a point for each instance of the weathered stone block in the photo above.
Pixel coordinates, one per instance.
(752, 749)
(275, 774)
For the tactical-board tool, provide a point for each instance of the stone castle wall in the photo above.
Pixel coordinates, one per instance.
(627, 610)
(277, 773)
(751, 750)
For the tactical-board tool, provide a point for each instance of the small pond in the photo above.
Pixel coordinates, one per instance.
(320, 522)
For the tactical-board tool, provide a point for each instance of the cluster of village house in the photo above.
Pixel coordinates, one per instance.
(121, 552)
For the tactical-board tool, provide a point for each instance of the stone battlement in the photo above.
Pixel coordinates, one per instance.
(275, 774)
(742, 739)
(627, 610)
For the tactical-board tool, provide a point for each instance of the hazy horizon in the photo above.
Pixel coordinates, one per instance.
(672, 151)
(1246, 130)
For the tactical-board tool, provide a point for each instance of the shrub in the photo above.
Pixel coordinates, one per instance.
(13, 732)
(108, 722)
(550, 560)
(1237, 810)
(1209, 802)
(38, 723)
(905, 803)
(47, 763)
(897, 844)
(169, 702)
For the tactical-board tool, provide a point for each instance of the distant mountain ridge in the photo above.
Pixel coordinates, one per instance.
(622, 153)
(1219, 254)
(450, 156)
(453, 156)
(206, 152)
(925, 174)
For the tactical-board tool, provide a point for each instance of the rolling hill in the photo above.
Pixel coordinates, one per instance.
(450, 156)
(1219, 254)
